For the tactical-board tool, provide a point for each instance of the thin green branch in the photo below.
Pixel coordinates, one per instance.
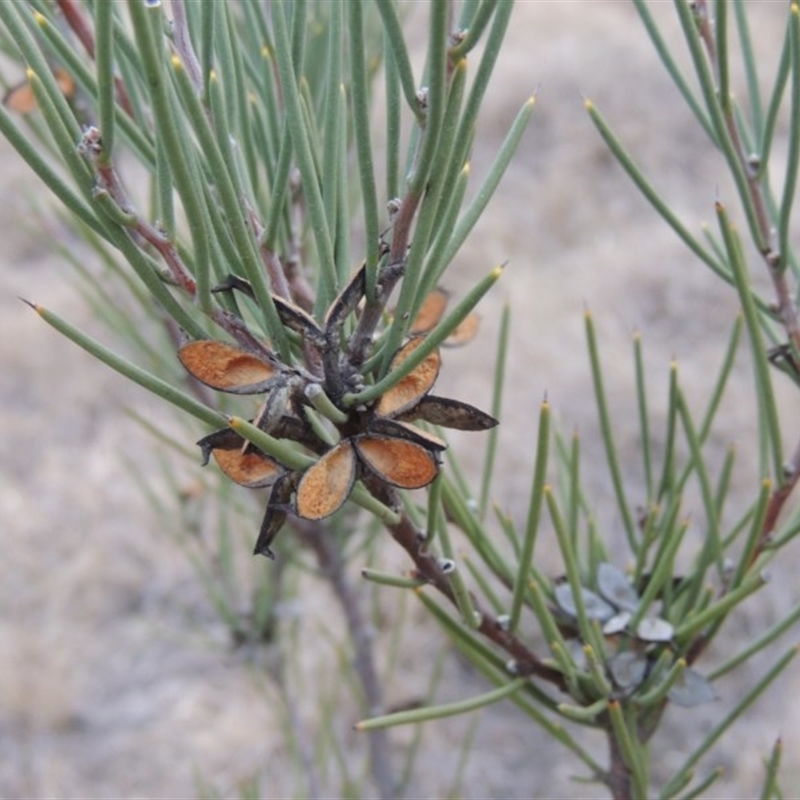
(607, 429)
(534, 515)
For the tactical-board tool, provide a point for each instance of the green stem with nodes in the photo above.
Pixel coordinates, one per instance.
(534, 515)
(129, 370)
(439, 712)
(724, 724)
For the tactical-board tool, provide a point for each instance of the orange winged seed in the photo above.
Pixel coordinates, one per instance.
(411, 389)
(327, 484)
(21, 100)
(396, 461)
(65, 82)
(430, 312)
(226, 368)
(465, 331)
(250, 469)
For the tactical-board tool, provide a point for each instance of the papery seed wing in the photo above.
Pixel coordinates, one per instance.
(275, 515)
(430, 312)
(409, 390)
(326, 485)
(297, 320)
(224, 438)
(226, 368)
(347, 301)
(291, 315)
(398, 462)
(449, 414)
(782, 357)
(270, 527)
(401, 430)
(275, 404)
(232, 282)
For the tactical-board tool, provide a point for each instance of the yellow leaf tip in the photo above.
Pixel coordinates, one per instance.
(39, 18)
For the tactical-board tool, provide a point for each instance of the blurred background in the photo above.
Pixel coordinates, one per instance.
(117, 678)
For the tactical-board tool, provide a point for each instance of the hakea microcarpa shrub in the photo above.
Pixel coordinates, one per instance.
(372, 442)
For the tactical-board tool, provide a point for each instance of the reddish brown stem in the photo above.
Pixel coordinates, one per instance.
(317, 538)
(80, 27)
(526, 662)
(618, 778)
(183, 44)
(776, 267)
(279, 285)
(387, 280)
(775, 261)
(109, 180)
(778, 500)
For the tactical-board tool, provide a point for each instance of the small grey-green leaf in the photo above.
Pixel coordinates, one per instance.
(615, 586)
(577, 653)
(627, 669)
(691, 690)
(617, 623)
(654, 629)
(596, 607)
